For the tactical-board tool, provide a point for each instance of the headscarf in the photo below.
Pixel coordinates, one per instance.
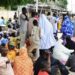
(47, 37)
(23, 64)
(67, 27)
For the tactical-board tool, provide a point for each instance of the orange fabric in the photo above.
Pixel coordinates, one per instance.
(22, 64)
(11, 55)
(43, 73)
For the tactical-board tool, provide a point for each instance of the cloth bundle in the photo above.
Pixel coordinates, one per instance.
(61, 53)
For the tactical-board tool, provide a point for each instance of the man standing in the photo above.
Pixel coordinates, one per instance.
(23, 26)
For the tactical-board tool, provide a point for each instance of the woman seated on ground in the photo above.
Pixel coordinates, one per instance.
(23, 64)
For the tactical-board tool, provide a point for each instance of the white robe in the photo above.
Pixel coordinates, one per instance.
(47, 37)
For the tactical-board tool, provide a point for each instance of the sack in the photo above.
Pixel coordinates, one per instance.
(61, 53)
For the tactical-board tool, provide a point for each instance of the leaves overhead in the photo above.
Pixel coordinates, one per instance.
(63, 3)
(11, 3)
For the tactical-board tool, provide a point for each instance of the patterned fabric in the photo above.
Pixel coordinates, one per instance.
(23, 64)
(67, 27)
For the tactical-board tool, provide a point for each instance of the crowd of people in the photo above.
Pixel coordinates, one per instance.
(27, 44)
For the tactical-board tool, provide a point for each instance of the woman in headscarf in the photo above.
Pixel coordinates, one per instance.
(22, 64)
(67, 26)
(47, 37)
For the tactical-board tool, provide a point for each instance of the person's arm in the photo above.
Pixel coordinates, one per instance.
(23, 17)
(49, 63)
(40, 32)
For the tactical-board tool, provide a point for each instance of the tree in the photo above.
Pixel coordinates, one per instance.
(42, 0)
(63, 3)
(11, 3)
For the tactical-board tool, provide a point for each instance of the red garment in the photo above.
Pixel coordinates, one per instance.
(43, 73)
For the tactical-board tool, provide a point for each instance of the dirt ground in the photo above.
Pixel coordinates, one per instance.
(72, 73)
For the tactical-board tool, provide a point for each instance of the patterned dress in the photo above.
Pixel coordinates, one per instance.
(67, 27)
(23, 64)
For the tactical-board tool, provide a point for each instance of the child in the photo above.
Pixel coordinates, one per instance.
(35, 36)
(9, 29)
(42, 65)
(5, 39)
(13, 39)
(11, 53)
(44, 68)
(5, 65)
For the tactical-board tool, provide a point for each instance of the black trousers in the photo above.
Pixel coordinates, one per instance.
(54, 64)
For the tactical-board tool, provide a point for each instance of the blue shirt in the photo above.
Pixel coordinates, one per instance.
(4, 41)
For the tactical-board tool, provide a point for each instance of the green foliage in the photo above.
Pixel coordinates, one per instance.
(63, 3)
(11, 3)
(26, 1)
(42, 0)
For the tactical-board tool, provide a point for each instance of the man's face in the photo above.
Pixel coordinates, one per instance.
(24, 11)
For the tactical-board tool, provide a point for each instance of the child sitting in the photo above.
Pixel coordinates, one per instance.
(5, 39)
(11, 53)
(5, 65)
(9, 30)
(13, 39)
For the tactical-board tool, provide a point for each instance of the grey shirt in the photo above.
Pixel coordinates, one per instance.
(23, 23)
